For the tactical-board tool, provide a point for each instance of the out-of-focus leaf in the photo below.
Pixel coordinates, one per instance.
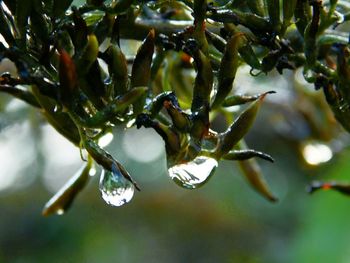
(254, 176)
(63, 199)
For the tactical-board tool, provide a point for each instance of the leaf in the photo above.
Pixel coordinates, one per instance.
(238, 128)
(339, 187)
(141, 68)
(228, 68)
(252, 173)
(63, 199)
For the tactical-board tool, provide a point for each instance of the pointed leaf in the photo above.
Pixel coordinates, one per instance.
(63, 199)
(60, 7)
(252, 173)
(238, 128)
(141, 68)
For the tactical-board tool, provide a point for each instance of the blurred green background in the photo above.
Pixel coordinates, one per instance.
(224, 221)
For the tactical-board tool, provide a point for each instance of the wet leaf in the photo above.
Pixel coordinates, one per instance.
(252, 173)
(116, 190)
(117, 68)
(228, 68)
(339, 187)
(141, 68)
(88, 55)
(106, 160)
(247, 154)
(204, 79)
(238, 128)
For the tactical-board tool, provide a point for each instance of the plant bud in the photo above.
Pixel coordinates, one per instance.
(252, 173)
(238, 128)
(228, 69)
(141, 68)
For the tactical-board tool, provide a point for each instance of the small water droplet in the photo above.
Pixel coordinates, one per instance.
(116, 190)
(193, 174)
(344, 107)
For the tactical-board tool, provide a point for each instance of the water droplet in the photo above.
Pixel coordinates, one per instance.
(344, 107)
(115, 188)
(193, 174)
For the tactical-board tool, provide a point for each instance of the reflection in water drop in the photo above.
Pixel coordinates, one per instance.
(316, 153)
(193, 174)
(115, 189)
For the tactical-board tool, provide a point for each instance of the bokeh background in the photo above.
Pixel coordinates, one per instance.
(224, 221)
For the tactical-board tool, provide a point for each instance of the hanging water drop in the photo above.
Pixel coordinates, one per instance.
(193, 174)
(116, 190)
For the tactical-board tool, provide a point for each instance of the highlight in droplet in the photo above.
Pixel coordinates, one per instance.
(116, 190)
(193, 174)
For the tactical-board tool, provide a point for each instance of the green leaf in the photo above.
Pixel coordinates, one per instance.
(252, 173)
(63, 199)
(238, 128)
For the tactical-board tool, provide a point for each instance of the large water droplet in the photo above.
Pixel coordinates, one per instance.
(193, 174)
(115, 188)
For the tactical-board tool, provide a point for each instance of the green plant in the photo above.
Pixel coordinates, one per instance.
(60, 49)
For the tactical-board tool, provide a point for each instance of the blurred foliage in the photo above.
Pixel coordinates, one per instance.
(71, 65)
(198, 64)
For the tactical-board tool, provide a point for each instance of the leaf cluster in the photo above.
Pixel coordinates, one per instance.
(71, 67)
